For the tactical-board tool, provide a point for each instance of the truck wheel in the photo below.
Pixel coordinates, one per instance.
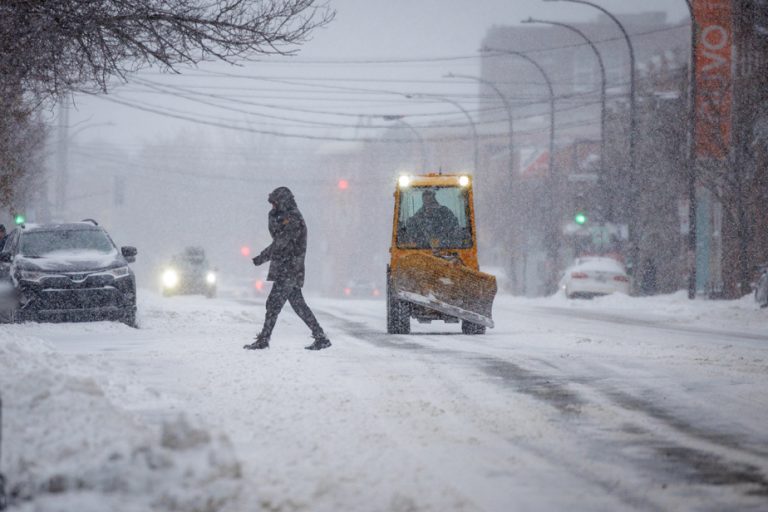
(401, 317)
(398, 315)
(471, 328)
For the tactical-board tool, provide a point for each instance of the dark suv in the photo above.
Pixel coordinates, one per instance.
(66, 272)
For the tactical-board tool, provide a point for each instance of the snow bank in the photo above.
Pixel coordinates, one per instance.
(67, 445)
(742, 314)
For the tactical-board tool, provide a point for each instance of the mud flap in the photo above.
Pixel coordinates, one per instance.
(447, 287)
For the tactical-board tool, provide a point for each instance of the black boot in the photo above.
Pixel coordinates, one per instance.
(260, 343)
(321, 342)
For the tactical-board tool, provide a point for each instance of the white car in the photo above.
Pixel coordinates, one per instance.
(594, 275)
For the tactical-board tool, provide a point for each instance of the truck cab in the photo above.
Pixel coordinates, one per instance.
(433, 272)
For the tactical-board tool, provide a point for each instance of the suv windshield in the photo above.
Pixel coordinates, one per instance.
(40, 243)
(434, 217)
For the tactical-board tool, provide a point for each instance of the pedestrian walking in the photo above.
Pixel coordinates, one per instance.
(286, 269)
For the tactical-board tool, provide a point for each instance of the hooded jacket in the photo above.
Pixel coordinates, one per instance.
(289, 240)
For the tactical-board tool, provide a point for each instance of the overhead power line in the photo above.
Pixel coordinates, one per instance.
(466, 57)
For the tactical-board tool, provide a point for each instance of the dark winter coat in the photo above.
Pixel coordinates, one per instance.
(289, 240)
(436, 222)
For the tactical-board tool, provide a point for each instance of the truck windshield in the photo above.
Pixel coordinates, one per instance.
(434, 218)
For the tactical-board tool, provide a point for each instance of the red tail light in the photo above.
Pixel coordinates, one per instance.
(579, 275)
(259, 285)
(376, 292)
(623, 279)
(347, 291)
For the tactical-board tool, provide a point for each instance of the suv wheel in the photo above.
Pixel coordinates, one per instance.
(129, 319)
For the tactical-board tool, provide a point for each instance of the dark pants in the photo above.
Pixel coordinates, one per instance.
(280, 293)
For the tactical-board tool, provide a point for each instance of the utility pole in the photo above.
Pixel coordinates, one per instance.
(62, 159)
(691, 181)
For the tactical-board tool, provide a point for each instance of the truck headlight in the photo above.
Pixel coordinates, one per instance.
(404, 181)
(464, 181)
(210, 278)
(170, 278)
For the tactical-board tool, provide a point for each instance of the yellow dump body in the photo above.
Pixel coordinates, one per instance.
(439, 279)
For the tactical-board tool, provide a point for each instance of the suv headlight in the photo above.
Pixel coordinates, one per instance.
(118, 272)
(32, 275)
(170, 278)
(210, 278)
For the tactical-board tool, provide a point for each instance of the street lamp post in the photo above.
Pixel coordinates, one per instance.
(551, 222)
(399, 119)
(507, 107)
(510, 149)
(551, 101)
(473, 127)
(634, 248)
(603, 86)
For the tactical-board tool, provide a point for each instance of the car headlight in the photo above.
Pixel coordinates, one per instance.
(210, 278)
(170, 278)
(32, 275)
(118, 272)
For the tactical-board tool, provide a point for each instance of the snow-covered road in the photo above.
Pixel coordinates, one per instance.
(612, 404)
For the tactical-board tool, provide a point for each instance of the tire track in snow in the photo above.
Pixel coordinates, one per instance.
(695, 459)
(541, 388)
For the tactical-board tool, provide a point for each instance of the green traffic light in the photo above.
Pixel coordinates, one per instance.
(580, 218)
(19, 219)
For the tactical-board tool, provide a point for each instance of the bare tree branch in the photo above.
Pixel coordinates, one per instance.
(52, 47)
(48, 47)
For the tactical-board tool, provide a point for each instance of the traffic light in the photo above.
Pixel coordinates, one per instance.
(19, 219)
(343, 184)
(245, 251)
(580, 218)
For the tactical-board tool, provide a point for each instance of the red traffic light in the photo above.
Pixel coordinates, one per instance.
(245, 250)
(343, 185)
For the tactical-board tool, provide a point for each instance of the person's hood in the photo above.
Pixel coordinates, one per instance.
(282, 198)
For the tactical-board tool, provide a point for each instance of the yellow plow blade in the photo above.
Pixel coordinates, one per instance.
(447, 287)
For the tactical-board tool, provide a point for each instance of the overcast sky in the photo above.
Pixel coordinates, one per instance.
(363, 30)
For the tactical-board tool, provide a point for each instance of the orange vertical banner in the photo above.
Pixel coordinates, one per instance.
(714, 83)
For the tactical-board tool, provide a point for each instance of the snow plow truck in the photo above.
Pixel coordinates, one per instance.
(433, 273)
